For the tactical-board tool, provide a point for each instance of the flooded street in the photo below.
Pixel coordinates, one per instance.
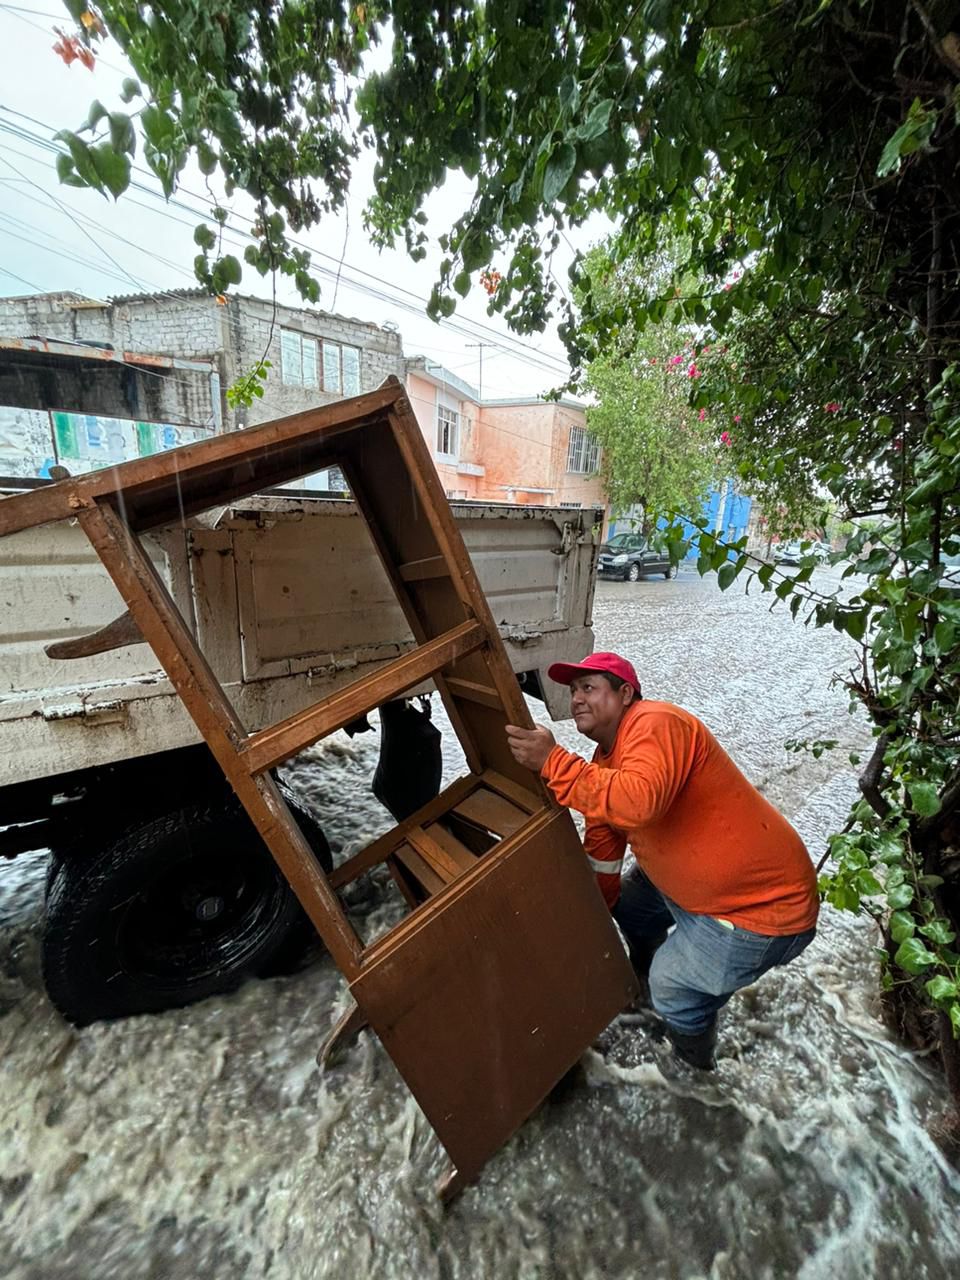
(205, 1143)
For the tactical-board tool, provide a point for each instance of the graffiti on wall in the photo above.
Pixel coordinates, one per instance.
(34, 440)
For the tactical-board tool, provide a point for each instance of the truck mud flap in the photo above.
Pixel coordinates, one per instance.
(409, 770)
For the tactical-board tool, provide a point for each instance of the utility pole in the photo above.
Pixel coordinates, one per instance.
(481, 345)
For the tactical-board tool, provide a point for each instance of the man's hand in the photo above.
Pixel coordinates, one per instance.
(530, 747)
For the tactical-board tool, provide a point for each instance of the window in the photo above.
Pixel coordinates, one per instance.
(448, 431)
(331, 367)
(583, 452)
(300, 364)
(574, 505)
(351, 370)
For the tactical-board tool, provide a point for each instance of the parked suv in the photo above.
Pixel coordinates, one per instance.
(629, 556)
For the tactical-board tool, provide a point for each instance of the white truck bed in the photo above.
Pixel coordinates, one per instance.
(289, 601)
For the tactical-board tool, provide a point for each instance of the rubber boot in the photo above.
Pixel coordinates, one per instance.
(696, 1050)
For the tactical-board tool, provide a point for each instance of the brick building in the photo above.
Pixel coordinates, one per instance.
(523, 450)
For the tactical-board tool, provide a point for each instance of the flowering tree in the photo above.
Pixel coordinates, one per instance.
(658, 453)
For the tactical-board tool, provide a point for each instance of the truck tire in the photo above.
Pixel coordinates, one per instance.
(181, 907)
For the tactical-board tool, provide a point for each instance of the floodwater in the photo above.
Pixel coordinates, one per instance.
(204, 1142)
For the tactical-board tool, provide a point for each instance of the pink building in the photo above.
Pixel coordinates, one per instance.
(526, 450)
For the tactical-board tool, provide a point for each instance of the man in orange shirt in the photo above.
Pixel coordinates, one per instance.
(723, 889)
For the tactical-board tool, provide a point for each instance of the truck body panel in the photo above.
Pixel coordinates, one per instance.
(289, 602)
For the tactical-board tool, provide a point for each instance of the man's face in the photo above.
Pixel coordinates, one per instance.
(597, 708)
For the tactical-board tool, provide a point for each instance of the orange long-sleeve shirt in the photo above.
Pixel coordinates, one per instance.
(698, 829)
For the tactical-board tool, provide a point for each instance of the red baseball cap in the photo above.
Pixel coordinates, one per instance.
(612, 663)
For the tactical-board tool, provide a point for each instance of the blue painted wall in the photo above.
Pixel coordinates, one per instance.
(733, 507)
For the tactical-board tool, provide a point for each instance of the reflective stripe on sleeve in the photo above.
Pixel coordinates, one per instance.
(605, 868)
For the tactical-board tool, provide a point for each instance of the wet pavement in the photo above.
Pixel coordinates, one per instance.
(204, 1142)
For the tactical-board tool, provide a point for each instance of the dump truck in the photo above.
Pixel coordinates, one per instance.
(159, 888)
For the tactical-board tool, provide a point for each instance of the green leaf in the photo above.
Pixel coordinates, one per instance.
(913, 957)
(569, 93)
(924, 798)
(461, 283)
(938, 931)
(941, 988)
(596, 123)
(67, 172)
(902, 926)
(855, 624)
(158, 127)
(96, 113)
(725, 575)
(206, 239)
(900, 895)
(868, 884)
(913, 133)
(230, 270)
(129, 90)
(560, 167)
(122, 134)
(112, 169)
(206, 158)
(82, 159)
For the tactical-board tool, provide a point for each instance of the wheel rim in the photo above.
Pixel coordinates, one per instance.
(205, 913)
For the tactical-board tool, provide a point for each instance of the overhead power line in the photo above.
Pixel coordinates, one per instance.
(388, 292)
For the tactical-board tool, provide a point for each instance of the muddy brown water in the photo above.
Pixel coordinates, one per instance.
(204, 1143)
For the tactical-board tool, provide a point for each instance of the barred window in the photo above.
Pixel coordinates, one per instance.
(583, 452)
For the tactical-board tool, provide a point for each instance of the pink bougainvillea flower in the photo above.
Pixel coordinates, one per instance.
(736, 417)
(728, 287)
(653, 359)
(897, 445)
(832, 406)
(726, 438)
(736, 275)
(702, 414)
(676, 360)
(693, 372)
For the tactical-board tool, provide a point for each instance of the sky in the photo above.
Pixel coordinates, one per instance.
(55, 238)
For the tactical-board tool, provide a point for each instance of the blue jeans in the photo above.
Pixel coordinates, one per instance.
(702, 962)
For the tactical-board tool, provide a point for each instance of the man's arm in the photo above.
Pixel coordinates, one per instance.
(655, 760)
(605, 848)
(603, 845)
